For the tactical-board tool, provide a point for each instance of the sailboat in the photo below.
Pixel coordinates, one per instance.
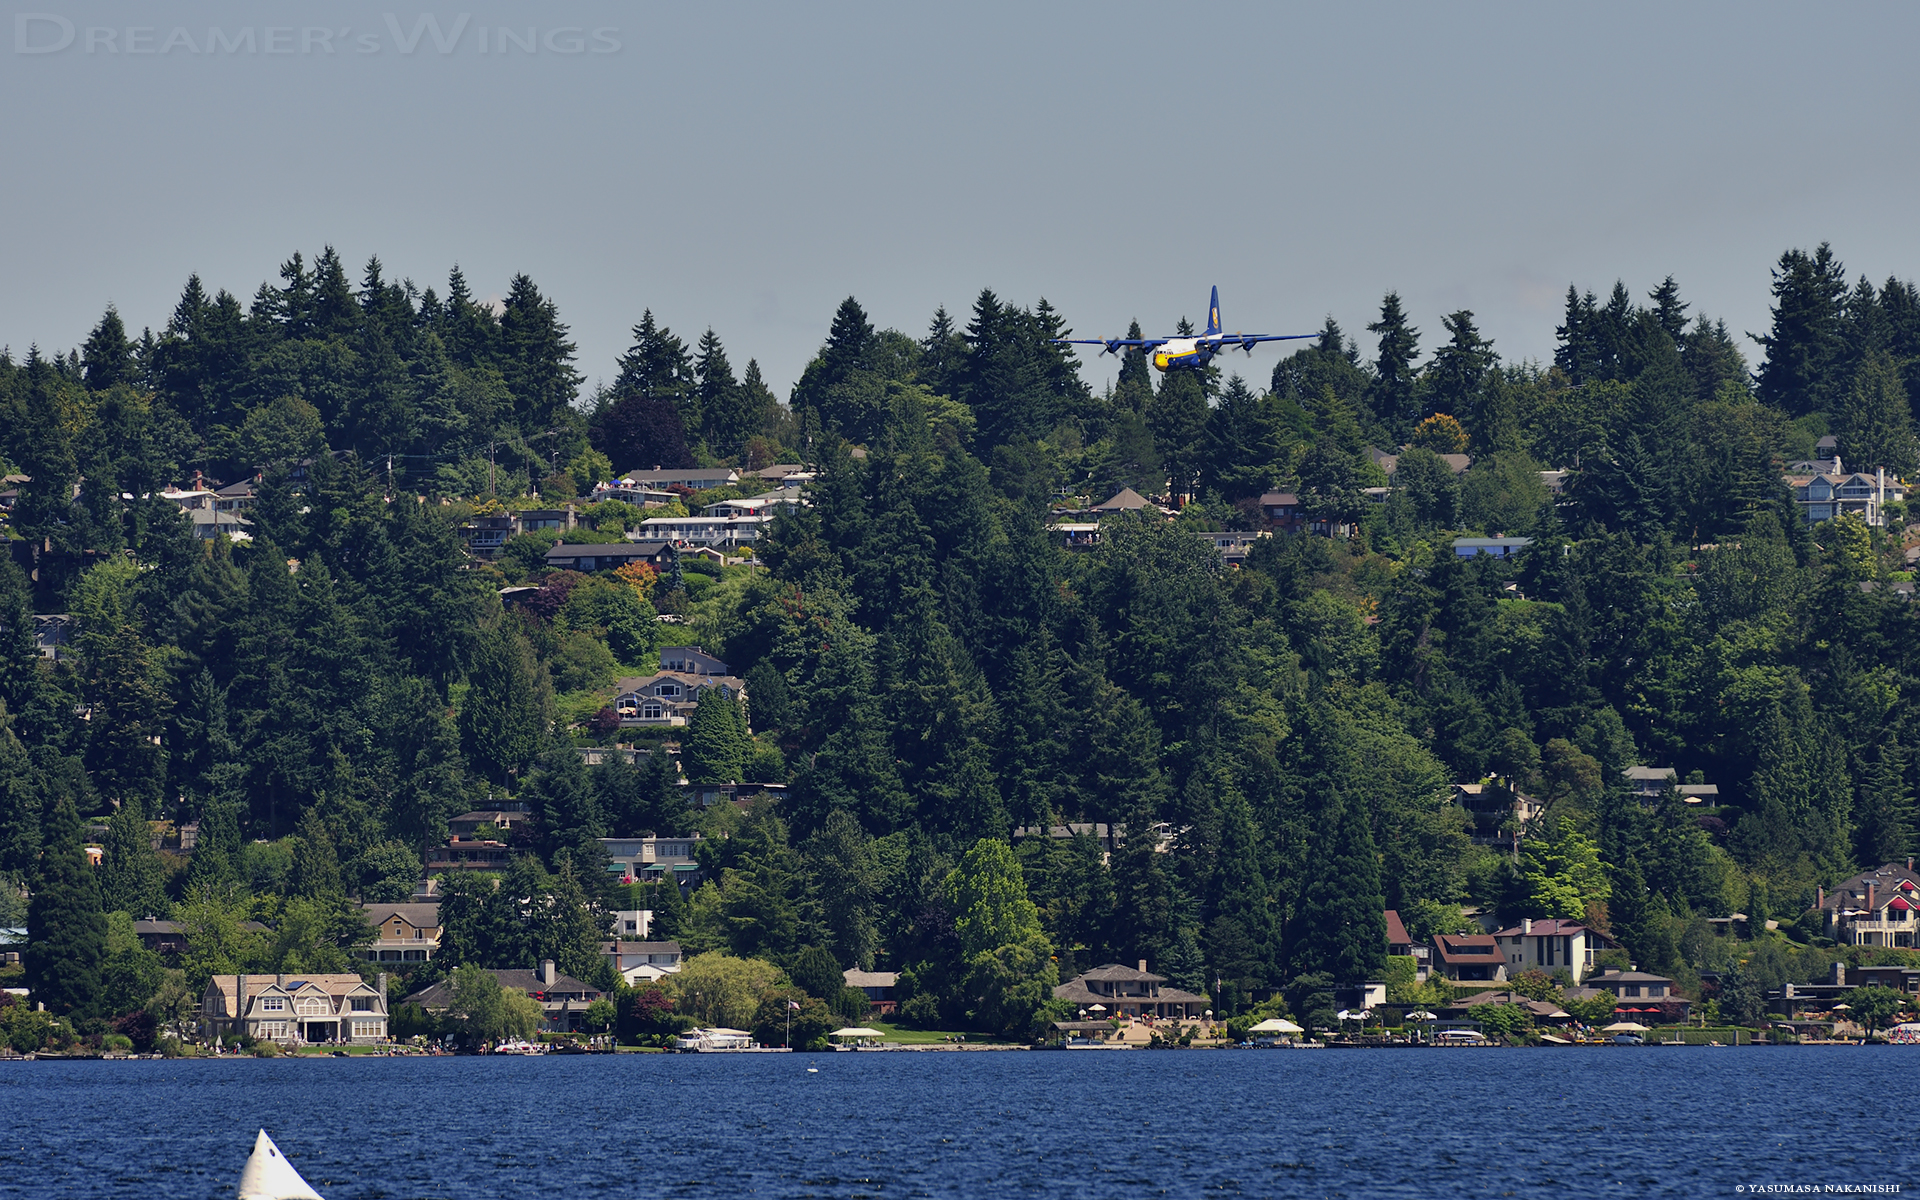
(269, 1176)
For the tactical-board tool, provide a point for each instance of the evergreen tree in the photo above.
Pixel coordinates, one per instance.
(1243, 453)
(107, 357)
(536, 358)
(66, 927)
(1806, 343)
(718, 397)
(316, 865)
(1339, 925)
(1392, 396)
(1886, 806)
(1457, 377)
(509, 705)
(130, 873)
(1178, 419)
(1876, 422)
(716, 744)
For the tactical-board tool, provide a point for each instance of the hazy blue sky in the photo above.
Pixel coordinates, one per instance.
(746, 166)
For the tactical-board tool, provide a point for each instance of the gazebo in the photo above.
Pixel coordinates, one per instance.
(857, 1035)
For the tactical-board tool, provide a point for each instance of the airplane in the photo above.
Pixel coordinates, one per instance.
(1194, 352)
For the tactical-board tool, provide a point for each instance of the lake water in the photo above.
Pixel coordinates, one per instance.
(1527, 1123)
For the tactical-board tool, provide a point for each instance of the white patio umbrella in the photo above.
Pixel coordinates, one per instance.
(1099, 1008)
(1347, 1014)
(1841, 1008)
(1422, 1015)
(1624, 1027)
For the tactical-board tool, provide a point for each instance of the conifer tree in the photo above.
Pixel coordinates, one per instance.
(129, 868)
(107, 357)
(535, 357)
(1392, 395)
(1339, 924)
(1457, 376)
(1876, 421)
(66, 927)
(509, 704)
(1806, 342)
(723, 425)
(716, 742)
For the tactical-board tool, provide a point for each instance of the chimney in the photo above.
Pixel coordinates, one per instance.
(239, 1003)
(1143, 966)
(546, 971)
(1820, 897)
(1871, 888)
(1526, 925)
(382, 985)
(1839, 974)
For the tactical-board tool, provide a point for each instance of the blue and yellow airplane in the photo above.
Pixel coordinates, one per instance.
(1196, 352)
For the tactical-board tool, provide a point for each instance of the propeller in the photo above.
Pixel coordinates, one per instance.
(1113, 346)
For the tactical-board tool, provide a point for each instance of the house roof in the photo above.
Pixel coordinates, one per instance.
(569, 551)
(420, 916)
(867, 979)
(332, 984)
(1552, 928)
(1278, 499)
(639, 947)
(1126, 499)
(1467, 947)
(633, 683)
(441, 994)
(1115, 973)
(1396, 932)
(1602, 980)
(1474, 1000)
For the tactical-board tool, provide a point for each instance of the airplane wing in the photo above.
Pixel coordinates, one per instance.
(1247, 341)
(1113, 345)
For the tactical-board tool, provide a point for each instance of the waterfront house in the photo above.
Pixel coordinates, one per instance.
(563, 1000)
(403, 933)
(1551, 946)
(878, 987)
(642, 962)
(310, 1008)
(1880, 907)
(1127, 992)
(1469, 958)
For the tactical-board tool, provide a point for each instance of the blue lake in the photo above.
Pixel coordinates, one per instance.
(1527, 1123)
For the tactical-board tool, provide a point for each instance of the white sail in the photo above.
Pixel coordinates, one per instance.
(269, 1176)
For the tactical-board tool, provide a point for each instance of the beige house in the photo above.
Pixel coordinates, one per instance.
(669, 697)
(1125, 992)
(1880, 907)
(308, 1008)
(402, 933)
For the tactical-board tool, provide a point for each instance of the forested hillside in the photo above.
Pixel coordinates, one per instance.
(927, 666)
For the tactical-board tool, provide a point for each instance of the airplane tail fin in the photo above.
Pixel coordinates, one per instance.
(1213, 313)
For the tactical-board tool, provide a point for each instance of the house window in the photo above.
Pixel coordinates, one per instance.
(363, 1004)
(313, 1006)
(366, 1029)
(270, 1030)
(273, 1004)
(650, 712)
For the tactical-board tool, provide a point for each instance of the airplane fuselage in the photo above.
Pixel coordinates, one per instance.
(1181, 352)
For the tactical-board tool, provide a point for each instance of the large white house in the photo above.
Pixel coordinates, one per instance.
(315, 1007)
